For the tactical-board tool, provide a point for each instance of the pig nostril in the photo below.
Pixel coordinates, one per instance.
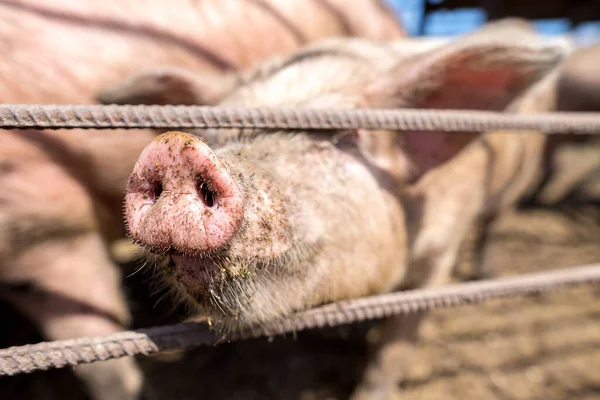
(153, 191)
(207, 195)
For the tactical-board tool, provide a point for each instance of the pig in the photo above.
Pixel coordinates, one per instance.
(573, 161)
(518, 170)
(569, 165)
(248, 225)
(579, 84)
(519, 173)
(61, 205)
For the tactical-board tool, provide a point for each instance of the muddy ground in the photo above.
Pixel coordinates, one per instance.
(539, 347)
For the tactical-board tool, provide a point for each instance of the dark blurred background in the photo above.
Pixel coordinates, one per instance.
(454, 17)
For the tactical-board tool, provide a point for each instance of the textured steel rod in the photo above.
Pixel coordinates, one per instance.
(62, 353)
(182, 117)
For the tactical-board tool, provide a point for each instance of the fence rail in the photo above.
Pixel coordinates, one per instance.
(62, 353)
(58, 354)
(181, 117)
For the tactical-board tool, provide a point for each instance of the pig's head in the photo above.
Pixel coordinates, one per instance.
(267, 223)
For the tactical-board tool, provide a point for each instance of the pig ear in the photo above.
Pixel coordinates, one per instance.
(475, 73)
(168, 86)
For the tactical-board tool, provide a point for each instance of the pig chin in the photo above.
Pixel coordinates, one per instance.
(238, 291)
(195, 274)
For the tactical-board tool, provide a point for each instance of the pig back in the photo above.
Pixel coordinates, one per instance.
(60, 52)
(81, 45)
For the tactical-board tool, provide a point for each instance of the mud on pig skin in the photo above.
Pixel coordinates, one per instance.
(63, 190)
(327, 216)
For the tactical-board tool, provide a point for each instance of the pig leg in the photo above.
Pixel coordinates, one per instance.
(472, 263)
(78, 295)
(392, 355)
(394, 349)
(482, 269)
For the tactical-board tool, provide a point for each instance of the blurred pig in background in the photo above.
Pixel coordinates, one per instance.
(62, 197)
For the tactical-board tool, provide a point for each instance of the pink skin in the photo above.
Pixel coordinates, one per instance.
(61, 189)
(178, 175)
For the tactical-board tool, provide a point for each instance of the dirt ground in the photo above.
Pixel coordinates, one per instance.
(539, 347)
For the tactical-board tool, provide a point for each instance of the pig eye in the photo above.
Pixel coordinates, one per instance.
(207, 195)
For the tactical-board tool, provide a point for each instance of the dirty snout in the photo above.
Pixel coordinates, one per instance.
(181, 197)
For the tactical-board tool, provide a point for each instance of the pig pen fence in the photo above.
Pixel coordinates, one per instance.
(62, 353)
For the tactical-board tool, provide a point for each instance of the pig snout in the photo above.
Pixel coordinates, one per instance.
(181, 197)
